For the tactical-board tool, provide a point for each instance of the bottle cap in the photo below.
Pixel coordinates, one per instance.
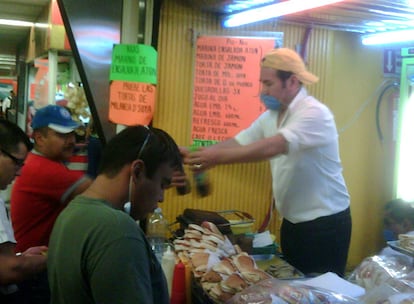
(158, 210)
(169, 252)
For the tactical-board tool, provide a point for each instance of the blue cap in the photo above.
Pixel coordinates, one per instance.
(56, 118)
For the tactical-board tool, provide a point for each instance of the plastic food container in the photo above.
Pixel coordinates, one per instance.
(240, 222)
(240, 228)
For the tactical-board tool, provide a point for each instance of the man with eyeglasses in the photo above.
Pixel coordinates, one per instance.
(97, 252)
(14, 146)
(45, 186)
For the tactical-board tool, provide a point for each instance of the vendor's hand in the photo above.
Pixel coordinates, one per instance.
(184, 151)
(201, 160)
(179, 179)
(37, 250)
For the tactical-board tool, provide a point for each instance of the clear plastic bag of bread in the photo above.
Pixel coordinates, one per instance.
(386, 294)
(275, 291)
(395, 270)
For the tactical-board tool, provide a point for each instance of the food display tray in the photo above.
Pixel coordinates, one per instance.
(262, 257)
(237, 217)
(278, 268)
(396, 246)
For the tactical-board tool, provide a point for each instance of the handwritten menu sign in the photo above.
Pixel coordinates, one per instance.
(134, 62)
(226, 86)
(131, 103)
(133, 77)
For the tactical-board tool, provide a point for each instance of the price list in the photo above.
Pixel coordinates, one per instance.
(226, 85)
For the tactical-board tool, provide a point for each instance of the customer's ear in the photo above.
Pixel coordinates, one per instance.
(137, 170)
(137, 167)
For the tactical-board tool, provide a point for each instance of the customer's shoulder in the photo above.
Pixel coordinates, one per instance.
(101, 211)
(34, 159)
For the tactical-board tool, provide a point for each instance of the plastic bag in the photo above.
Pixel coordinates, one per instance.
(277, 291)
(384, 269)
(385, 294)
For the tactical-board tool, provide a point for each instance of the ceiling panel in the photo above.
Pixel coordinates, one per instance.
(349, 15)
(11, 37)
(363, 16)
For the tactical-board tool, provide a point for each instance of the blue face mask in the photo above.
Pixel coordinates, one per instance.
(270, 102)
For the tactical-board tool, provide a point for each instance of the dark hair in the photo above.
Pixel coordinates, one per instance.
(283, 75)
(398, 210)
(154, 146)
(11, 136)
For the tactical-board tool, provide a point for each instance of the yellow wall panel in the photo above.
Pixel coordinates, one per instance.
(243, 187)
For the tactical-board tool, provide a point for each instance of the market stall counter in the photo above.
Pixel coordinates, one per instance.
(226, 262)
(221, 271)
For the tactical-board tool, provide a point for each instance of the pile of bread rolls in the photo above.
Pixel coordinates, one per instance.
(221, 267)
(77, 102)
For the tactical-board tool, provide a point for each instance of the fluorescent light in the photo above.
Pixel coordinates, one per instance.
(273, 11)
(405, 188)
(21, 23)
(388, 37)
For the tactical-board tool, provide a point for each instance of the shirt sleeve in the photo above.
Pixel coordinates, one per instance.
(310, 127)
(254, 132)
(49, 180)
(6, 104)
(72, 188)
(6, 231)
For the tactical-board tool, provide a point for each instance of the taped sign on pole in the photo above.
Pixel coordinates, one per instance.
(133, 79)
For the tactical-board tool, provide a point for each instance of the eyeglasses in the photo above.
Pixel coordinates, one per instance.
(17, 161)
(145, 143)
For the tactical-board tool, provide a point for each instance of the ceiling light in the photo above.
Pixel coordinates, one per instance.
(399, 22)
(273, 11)
(246, 4)
(374, 23)
(388, 37)
(21, 23)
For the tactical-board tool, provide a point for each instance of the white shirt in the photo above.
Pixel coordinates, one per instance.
(6, 230)
(6, 104)
(307, 181)
(6, 235)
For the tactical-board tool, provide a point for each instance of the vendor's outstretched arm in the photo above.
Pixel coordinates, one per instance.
(230, 152)
(186, 152)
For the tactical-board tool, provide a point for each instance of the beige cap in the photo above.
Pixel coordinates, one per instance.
(285, 59)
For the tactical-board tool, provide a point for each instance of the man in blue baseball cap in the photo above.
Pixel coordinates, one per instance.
(56, 118)
(45, 185)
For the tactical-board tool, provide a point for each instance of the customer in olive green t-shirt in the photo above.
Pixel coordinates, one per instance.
(97, 252)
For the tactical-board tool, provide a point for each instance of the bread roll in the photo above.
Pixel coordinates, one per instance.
(244, 262)
(225, 267)
(255, 275)
(233, 284)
